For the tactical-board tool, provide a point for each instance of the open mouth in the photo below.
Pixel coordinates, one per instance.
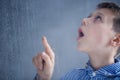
(81, 34)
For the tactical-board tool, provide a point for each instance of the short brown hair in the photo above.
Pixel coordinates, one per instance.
(116, 11)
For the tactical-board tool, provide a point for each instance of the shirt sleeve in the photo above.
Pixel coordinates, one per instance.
(72, 75)
(37, 77)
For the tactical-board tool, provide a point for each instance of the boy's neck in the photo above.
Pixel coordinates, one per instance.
(98, 61)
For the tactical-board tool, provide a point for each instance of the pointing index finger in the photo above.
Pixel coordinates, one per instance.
(47, 47)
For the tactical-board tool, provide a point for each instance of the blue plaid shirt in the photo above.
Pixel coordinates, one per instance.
(109, 72)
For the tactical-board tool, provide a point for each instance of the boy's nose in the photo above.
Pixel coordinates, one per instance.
(84, 22)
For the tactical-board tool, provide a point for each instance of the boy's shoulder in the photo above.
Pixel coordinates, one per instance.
(73, 74)
(107, 72)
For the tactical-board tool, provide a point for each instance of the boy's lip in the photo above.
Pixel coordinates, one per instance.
(80, 33)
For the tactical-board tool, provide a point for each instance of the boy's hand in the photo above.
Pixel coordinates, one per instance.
(44, 61)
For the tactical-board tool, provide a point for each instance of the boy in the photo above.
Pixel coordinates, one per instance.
(99, 37)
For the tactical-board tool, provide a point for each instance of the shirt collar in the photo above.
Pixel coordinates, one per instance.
(109, 70)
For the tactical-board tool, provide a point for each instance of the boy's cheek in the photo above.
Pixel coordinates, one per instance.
(94, 38)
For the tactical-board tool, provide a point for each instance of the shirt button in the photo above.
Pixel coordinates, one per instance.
(93, 74)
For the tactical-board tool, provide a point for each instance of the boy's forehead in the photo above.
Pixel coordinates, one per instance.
(103, 12)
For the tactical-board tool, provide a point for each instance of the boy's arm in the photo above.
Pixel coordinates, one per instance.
(44, 62)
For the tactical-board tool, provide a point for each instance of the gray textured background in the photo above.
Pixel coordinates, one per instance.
(24, 22)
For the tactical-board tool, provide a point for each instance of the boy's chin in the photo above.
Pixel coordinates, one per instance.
(81, 49)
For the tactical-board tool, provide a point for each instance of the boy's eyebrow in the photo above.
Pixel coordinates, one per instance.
(90, 15)
(99, 13)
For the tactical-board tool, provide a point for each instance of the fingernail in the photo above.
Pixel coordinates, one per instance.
(43, 38)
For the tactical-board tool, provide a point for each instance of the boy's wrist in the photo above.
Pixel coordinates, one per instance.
(39, 78)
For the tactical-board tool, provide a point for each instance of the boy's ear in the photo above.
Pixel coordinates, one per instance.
(116, 41)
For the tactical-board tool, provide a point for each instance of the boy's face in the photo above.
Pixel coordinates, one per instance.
(97, 30)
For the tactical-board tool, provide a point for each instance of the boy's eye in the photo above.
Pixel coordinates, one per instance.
(98, 18)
